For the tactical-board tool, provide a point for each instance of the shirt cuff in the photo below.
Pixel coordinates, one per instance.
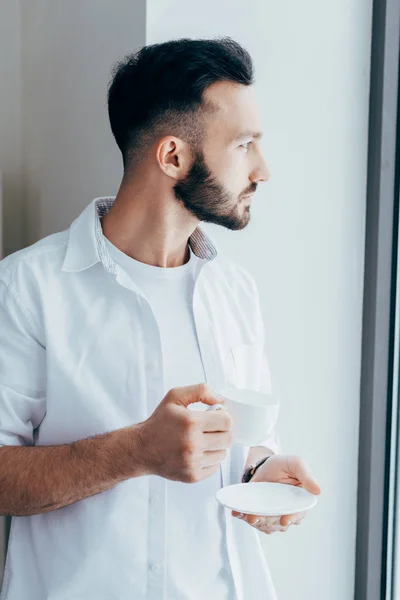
(272, 443)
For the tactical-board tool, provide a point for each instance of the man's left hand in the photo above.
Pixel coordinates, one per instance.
(291, 470)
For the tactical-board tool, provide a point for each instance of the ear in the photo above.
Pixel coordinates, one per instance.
(174, 157)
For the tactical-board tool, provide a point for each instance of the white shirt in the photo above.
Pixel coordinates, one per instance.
(81, 355)
(197, 563)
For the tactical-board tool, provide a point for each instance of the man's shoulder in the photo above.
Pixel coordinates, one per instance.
(41, 258)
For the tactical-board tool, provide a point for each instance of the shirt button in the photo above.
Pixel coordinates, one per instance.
(154, 567)
(154, 499)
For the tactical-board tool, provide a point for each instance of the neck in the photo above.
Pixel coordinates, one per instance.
(149, 224)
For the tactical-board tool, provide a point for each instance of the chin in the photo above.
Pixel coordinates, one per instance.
(242, 223)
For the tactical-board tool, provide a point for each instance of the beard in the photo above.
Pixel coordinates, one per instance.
(207, 199)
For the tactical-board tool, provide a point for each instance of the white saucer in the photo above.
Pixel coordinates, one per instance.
(266, 499)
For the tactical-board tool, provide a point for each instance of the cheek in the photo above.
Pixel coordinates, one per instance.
(234, 174)
(230, 168)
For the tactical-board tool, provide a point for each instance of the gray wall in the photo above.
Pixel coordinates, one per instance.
(10, 121)
(56, 150)
(68, 154)
(10, 149)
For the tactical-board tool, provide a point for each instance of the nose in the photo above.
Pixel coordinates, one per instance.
(261, 173)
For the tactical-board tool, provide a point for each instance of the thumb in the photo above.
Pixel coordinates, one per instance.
(313, 487)
(306, 478)
(196, 393)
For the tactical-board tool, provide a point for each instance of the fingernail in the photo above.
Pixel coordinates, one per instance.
(286, 524)
(240, 516)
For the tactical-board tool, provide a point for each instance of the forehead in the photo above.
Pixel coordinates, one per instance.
(236, 109)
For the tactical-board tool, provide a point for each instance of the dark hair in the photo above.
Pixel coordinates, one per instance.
(159, 90)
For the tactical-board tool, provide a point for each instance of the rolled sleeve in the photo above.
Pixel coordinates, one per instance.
(22, 372)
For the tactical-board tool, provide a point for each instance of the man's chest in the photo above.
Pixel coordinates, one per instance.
(106, 360)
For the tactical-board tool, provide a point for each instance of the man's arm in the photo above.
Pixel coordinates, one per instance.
(40, 479)
(35, 480)
(174, 443)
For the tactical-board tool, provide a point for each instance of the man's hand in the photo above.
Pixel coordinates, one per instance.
(185, 445)
(291, 470)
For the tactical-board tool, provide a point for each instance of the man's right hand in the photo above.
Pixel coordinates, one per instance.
(182, 444)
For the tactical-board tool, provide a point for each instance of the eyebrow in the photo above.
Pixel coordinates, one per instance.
(256, 135)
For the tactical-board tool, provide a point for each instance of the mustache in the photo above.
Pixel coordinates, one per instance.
(250, 190)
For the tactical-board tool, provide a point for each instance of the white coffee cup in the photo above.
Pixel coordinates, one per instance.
(254, 414)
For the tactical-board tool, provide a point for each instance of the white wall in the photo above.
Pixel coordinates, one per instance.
(305, 248)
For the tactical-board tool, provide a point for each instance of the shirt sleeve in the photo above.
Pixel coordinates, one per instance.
(22, 372)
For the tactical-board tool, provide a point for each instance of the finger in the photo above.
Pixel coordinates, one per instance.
(269, 530)
(208, 471)
(210, 459)
(286, 520)
(311, 485)
(238, 515)
(273, 529)
(259, 521)
(267, 525)
(252, 519)
(217, 441)
(290, 519)
(215, 420)
(305, 477)
(194, 393)
(262, 521)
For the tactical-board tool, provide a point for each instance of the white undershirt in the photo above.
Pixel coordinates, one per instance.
(198, 538)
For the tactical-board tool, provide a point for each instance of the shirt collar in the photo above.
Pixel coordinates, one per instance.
(86, 245)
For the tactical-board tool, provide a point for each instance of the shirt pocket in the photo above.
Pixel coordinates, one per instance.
(250, 367)
(245, 359)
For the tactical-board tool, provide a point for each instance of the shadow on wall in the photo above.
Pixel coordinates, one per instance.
(11, 212)
(4, 521)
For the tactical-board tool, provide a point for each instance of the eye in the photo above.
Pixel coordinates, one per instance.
(246, 145)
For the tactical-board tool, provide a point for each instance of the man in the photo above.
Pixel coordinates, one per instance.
(115, 336)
